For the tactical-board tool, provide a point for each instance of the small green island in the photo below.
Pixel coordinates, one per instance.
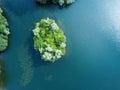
(49, 40)
(59, 2)
(4, 32)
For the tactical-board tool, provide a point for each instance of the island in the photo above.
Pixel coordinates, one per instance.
(4, 32)
(59, 2)
(49, 40)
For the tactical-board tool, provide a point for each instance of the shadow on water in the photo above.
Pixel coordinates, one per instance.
(36, 57)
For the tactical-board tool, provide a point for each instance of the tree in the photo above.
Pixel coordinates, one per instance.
(4, 32)
(49, 40)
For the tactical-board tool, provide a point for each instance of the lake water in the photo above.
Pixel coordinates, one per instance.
(92, 61)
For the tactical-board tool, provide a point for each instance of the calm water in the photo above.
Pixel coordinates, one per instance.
(92, 61)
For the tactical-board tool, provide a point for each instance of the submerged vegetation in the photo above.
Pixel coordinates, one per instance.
(60, 2)
(4, 32)
(49, 40)
(3, 78)
(26, 65)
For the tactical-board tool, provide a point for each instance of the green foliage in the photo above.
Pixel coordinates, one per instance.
(49, 40)
(60, 2)
(4, 32)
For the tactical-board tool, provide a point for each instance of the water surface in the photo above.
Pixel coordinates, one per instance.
(92, 61)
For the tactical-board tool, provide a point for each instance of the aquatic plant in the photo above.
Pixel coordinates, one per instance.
(49, 40)
(26, 65)
(60, 2)
(4, 32)
(49, 77)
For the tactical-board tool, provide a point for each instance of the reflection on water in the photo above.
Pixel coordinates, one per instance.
(26, 66)
(111, 14)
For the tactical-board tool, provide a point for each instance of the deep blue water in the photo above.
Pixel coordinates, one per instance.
(92, 61)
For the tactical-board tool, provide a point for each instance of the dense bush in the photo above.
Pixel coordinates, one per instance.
(4, 32)
(60, 2)
(49, 40)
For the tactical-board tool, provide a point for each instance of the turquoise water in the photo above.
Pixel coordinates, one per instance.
(92, 61)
